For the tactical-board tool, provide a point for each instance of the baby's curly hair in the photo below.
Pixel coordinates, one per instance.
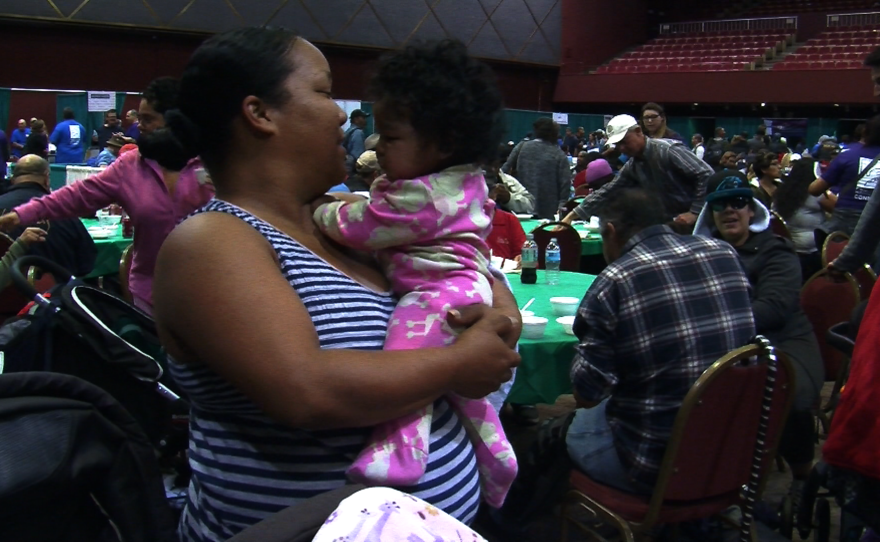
(449, 98)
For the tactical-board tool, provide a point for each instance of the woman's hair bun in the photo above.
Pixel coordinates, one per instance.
(183, 129)
(174, 145)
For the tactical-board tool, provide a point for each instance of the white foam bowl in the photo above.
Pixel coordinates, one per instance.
(566, 322)
(564, 306)
(533, 327)
(526, 314)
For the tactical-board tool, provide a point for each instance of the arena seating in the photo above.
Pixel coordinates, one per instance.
(716, 51)
(839, 49)
(793, 7)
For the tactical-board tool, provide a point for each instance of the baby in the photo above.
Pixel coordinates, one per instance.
(438, 112)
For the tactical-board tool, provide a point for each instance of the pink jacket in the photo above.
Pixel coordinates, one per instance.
(137, 185)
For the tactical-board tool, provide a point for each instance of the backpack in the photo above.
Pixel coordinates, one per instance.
(74, 465)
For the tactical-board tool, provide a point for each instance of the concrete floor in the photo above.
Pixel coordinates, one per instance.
(547, 528)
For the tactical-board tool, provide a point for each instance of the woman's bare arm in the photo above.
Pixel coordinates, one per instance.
(220, 299)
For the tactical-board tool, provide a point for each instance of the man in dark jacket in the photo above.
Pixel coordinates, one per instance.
(731, 213)
(68, 243)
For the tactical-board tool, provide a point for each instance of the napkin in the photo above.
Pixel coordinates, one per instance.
(504, 265)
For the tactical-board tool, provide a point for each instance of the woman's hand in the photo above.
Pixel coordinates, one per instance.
(9, 221)
(486, 349)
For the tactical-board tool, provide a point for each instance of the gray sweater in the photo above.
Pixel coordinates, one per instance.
(544, 171)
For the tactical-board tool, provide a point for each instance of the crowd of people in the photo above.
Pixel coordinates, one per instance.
(298, 364)
(68, 142)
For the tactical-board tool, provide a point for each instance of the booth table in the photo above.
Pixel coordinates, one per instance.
(543, 374)
(109, 251)
(591, 242)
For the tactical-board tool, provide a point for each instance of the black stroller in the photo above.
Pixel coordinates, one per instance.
(83, 331)
(858, 496)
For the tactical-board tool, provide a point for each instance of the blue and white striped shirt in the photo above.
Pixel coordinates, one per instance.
(246, 466)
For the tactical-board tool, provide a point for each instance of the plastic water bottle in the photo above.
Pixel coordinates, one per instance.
(552, 257)
(529, 261)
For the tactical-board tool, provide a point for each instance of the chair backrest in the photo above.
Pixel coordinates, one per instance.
(833, 246)
(572, 203)
(42, 282)
(827, 302)
(569, 244)
(715, 434)
(778, 225)
(865, 278)
(11, 299)
(124, 270)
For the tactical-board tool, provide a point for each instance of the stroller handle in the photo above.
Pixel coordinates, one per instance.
(62, 276)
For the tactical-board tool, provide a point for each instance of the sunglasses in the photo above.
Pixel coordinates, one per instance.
(720, 205)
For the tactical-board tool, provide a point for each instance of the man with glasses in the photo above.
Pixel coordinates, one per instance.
(665, 168)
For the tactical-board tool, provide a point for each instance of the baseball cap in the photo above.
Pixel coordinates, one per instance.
(358, 113)
(728, 184)
(618, 127)
(368, 161)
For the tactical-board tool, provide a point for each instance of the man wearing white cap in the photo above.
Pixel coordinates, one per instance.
(667, 168)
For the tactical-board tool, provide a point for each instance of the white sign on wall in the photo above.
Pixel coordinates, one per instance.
(560, 118)
(101, 101)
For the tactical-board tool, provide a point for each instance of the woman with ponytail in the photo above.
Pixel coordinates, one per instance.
(155, 196)
(275, 332)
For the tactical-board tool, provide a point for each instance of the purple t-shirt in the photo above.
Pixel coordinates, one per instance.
(843, 171)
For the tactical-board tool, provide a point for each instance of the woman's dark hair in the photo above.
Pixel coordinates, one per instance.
(859, 132)
(762, 162)
(546, 129)
(162, 94)
(791, 195)
(450, 99)
(504, 151)
(872, 132)
(221, 73)
(657, 108)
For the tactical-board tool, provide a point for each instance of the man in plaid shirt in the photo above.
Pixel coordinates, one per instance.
(665, 309)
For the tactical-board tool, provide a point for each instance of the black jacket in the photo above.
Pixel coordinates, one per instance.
(36, 144)
(774, 272)
(68, 243)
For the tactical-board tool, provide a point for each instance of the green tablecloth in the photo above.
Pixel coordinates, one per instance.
(590, 245)
(544, 373)
(109, 251)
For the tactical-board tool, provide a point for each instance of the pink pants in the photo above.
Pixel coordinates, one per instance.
(398, 452)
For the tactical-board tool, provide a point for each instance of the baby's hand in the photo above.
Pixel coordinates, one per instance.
(33, 235)
(317, 202)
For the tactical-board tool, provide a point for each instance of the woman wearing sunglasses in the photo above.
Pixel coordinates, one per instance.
(732, 214)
